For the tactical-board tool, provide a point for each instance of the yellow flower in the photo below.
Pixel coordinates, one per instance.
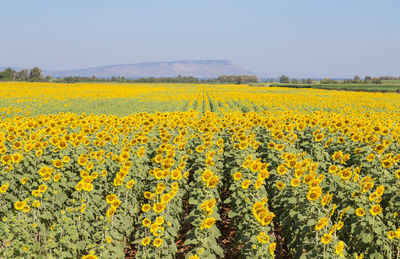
(148, 195)
(326, 199)
(130, 184)
(42, 188)
(339, 225)
(397, 174)
(321, 224)
(245, 184)
(314, 193)
(146, 222)
(110, 212)
(36, 203)
(375, 210)
(157, 242)
(66, 159)
(159, 220)
(207, 223)
(370, 157)
(326, 239)
(24, 180)
(339, 248)
(4, 188)
(263, 238)
(280, 185)
(19, 205)
(56, 178)
(237, 176)
(145, 241)
(158, 207)
(281, 169)
(392, 234)
(57, 163)
(83, 207)
(26, 208)
(295, 182)
(111, 198)
(272, 247)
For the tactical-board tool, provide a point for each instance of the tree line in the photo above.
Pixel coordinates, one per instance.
(36, 75)
(356, 80)
(33, 75)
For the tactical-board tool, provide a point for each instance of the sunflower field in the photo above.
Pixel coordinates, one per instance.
(197, 171)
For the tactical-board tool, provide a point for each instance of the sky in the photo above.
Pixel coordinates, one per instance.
(298, 38)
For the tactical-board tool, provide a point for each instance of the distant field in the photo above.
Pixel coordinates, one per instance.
(347, 87)
(397, 81)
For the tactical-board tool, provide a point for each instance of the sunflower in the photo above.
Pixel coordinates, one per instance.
(130, 184)
(157, 242)
(360, 212)
(263, 238)
(238, 175)
(326, 239)
(321, 224)
(42, 188)
(339, 248)
(245, 184)
(19, 205)
(295, 182)
(375, 210)
(207, 223)
(271, 249)
(146, 222)
(281, 169)
(280, 185)
(4, 188)
(57, 163)
(146, 207)
(158, 207)
(314, 193)
(146, 241)
(110, 212)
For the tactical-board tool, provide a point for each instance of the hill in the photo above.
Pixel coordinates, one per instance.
(196, 68)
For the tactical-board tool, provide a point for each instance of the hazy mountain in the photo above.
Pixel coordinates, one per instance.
(196, 68)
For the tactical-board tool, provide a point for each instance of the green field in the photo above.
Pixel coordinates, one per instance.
(347, 87)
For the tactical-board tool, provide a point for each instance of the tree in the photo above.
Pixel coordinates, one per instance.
(356, 80)
(7, 75)
(241, 79)
(295, 81)
(284, 79)
(303, 81)
(22, 75)
(327, 81)
(376, 81)
(347, 81)
(35, 74)
(309, 81)
(272, 80)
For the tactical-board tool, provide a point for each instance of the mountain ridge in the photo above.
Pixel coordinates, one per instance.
(195, 68)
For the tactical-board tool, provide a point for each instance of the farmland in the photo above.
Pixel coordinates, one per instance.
(387, 87)
(197, 171)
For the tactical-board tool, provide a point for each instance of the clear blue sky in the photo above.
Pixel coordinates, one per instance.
(302, 38)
